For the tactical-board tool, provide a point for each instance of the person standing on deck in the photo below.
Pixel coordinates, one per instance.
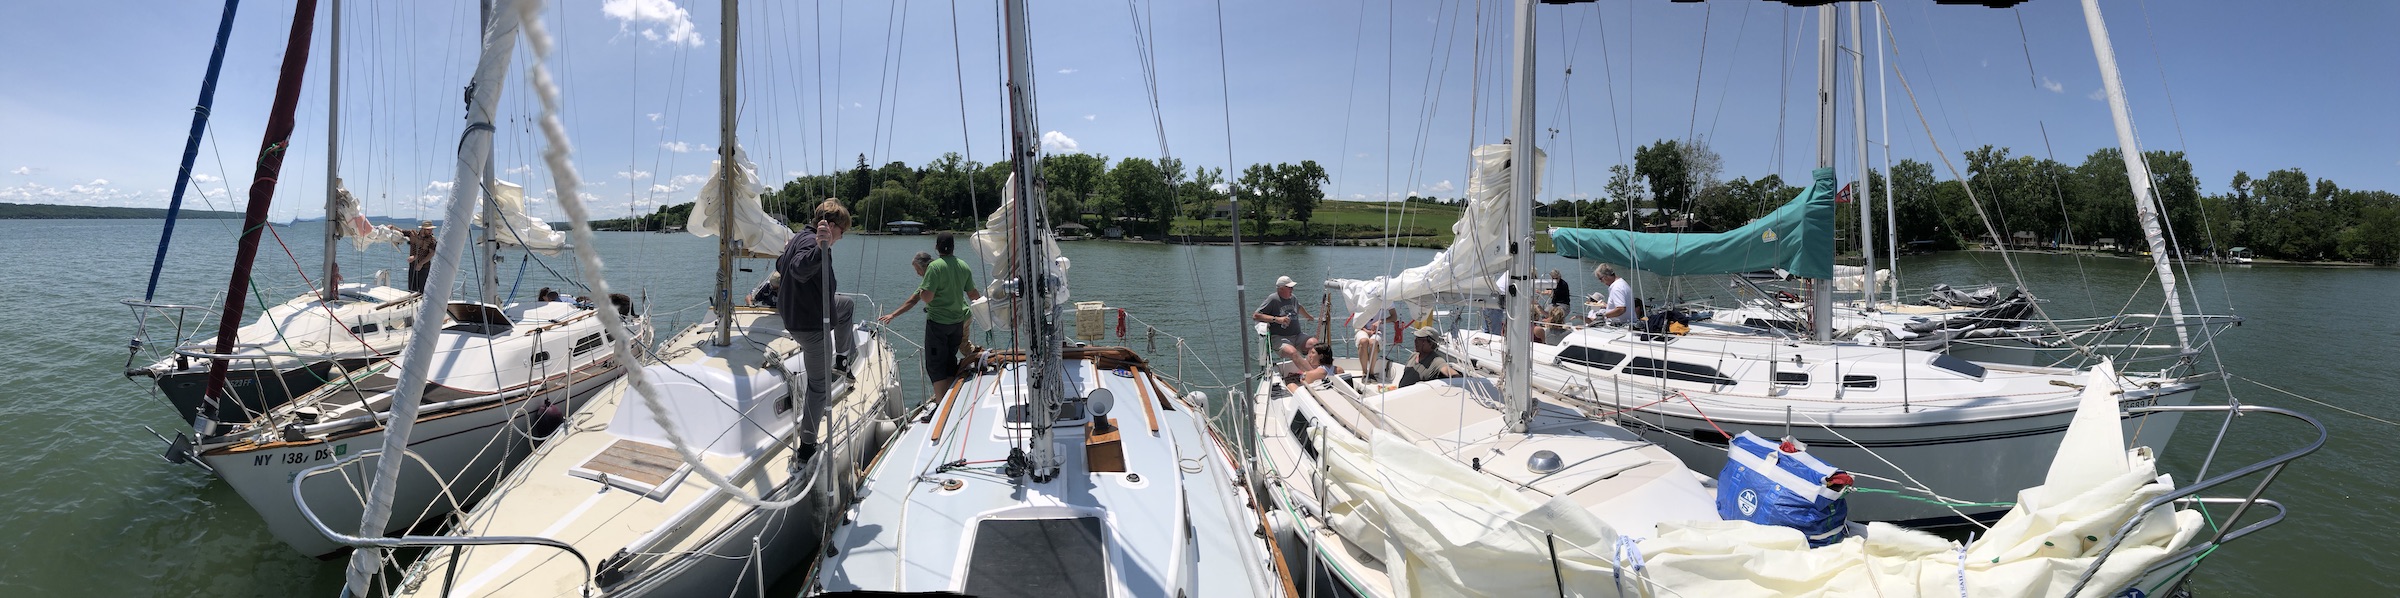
(948, 285)
(1619, 309)
(420, 255)
(814, 312)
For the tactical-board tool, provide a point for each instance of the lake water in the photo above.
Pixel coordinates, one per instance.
(92, 510)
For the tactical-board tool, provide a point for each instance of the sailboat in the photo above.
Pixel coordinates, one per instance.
(688, 476)
(1050, 469)
(490, 383)
(1455, 487)
(1904, 419)
(293, 347)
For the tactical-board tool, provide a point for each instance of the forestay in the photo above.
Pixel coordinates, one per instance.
(1477, 253)
(1797, 237)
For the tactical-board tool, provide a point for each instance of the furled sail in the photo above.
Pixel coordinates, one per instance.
(1478, 250)
(997, 245)
(753, 229)
(351, 224)
(1797, 237)
(518, 227)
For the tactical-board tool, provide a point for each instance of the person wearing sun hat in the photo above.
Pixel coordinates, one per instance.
(420, 255)
(1282, 314)
(1428, 363)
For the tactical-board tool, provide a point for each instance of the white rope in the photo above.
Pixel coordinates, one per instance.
(556, 157)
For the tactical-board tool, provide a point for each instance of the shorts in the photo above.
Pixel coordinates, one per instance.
(1299, 342)
(941, 349)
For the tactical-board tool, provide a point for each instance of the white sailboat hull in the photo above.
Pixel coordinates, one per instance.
(465, 447)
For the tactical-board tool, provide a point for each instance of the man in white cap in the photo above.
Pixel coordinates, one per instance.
(420, 255)
(1282, 313)
(1428, 363)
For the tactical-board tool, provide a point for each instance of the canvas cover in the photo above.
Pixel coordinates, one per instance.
(518, 227)
(1478, 250)
(1797, 237)
(753, 230)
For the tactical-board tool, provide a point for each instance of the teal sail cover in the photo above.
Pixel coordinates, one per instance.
(1797, 237)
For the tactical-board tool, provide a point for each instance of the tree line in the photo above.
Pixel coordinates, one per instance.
(1671, 185)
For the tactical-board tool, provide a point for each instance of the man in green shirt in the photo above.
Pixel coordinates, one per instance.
(949, 284)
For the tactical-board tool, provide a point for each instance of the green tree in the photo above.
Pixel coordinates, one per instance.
(1299, 188)
(891, 202)
(1256, 190)
(2376, 237)
(1140, 191)
(1624, 189)
(1201, 195)
(1072, 179)
(1663, 166)
(857, 184)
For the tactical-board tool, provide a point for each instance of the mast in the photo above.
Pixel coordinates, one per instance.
(191, 147)
(474, 152)
(1866, 207)
(333, 153)
(2136, 171)
(488, 264)
(1034, 311)
(1883, 110)
(1517, 375)
(271, 151)
(1820, 295)
(723, 298)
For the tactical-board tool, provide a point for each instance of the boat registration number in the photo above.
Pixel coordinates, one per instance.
(292, 458)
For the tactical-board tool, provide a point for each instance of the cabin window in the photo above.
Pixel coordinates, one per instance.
(367, 328)
(1959, 366)
(587, 344)
(1676, 370)
(541, 356)
(1792, 378)
(1590, 357)
(1865, 381)
(1300, 428)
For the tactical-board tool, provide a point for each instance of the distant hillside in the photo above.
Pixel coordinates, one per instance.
(44, 211)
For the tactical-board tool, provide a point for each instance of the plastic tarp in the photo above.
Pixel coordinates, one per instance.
(351, 224)
(1477, 253)
(2039, 548)
(517, 227)
(753, 230)
(1797, 237)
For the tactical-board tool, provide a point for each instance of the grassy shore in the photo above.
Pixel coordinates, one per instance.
(1350, 222)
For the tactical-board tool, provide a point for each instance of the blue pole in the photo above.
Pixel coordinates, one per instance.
(191, 146)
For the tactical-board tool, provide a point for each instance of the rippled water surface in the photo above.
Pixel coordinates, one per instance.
(89, 509)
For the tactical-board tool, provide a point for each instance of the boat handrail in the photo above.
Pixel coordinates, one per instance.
(2273, 466)
(411, 541)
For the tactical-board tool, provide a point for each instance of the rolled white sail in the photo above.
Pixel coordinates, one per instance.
(996, 245)
(1478, 252)
(753, 230)
(350, 224)
(518, 227)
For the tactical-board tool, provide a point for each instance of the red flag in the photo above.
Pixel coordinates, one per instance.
(1842, 196)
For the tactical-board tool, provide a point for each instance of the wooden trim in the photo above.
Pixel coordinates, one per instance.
(1148, 408)
(939, 421)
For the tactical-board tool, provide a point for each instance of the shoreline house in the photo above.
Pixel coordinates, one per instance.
(904, 227)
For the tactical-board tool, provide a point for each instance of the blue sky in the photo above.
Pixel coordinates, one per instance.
(98, 95)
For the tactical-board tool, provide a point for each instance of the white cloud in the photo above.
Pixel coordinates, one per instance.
(637, 174)
(26, 170)
(205, 177)
(1058, 142)
(1067, 71)
(98, 182)
(2097, 95)
(1091, 117)
(685, 180)
(521, 169)
(660, 20)
(654, 116)
(1221, 188)
(857, 105)
(2052, 86)
(1442, 187)
(1362, 154)
(676, 146)
(795, 173)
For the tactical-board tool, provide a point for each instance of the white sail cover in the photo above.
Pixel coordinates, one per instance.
(753, 229)
(1849, 279)
(996, 245)
(1477, 253)
(351, 224)
(1444, 530)
(518, 227)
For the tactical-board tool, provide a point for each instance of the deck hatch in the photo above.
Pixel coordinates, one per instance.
(1038, 558)
(635, 466)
